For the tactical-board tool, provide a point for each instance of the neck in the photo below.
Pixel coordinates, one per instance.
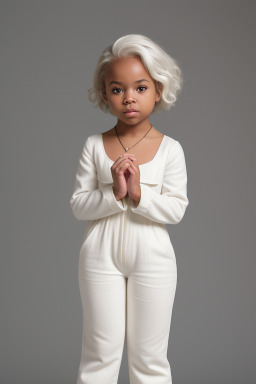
(132, 131)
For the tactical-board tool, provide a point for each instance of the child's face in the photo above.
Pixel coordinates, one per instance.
(124, 89)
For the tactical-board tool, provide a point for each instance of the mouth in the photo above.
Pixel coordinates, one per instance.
(130, 112)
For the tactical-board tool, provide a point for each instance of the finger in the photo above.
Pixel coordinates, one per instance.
(133, 158)
(122, 167)
(122, 159)
(127, 158)
(129, 167)
(133, 168)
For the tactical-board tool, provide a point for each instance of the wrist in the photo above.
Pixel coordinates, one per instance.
(136, 198)
(117, 196)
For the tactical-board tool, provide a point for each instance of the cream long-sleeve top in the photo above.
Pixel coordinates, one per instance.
(163, 182)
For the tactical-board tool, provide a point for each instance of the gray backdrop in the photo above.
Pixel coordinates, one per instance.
(49, 51)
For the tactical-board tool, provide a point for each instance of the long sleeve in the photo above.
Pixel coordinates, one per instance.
(167, 207)
(87, 201)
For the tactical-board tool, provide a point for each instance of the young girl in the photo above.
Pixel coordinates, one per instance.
(131, 181)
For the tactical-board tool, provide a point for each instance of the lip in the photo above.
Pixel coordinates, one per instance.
(130, 112)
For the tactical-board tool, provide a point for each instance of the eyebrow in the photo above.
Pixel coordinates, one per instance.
(119, 82)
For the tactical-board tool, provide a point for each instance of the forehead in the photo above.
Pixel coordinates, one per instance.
(127, 69)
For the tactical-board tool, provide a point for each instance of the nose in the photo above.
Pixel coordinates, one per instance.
(129, 98)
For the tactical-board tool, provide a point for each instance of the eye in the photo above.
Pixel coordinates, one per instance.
(116, 89)
(141, 88)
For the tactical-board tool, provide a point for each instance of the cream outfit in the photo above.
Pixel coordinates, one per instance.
(127, 266)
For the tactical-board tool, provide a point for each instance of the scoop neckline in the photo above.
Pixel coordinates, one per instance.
(140, 165)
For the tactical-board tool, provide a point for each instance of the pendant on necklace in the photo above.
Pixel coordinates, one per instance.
(126, 149)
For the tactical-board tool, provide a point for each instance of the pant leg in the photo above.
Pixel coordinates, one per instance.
(103, 296)
(150, 298)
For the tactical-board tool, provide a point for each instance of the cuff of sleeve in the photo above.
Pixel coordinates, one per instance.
(108, 194)
(144, 202)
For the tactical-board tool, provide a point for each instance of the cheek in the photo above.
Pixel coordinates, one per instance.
(113, 105)
(114, 102)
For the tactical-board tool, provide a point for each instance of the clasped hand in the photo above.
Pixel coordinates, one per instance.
(126, 175)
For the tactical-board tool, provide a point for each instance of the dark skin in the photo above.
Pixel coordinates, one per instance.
(124, 89)
(121, 170)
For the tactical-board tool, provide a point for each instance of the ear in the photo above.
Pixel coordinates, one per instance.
(104, 94)
(159, 89)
